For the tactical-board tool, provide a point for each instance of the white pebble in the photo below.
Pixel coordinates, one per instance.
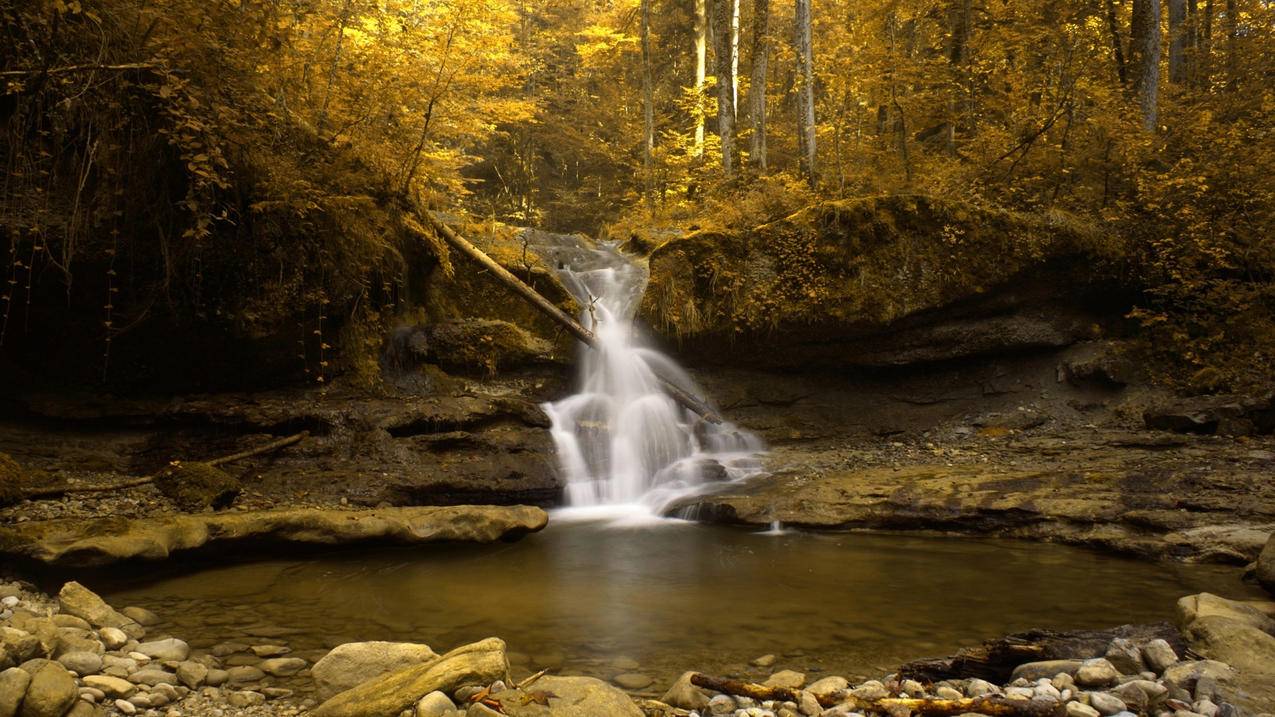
(126, 707)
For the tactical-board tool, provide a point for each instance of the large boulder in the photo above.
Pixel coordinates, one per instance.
(567, 697)
(479, 663)
(1237, 634)
(881, 281)
(51, 693)
(108, 540)
(13, 687)
(354, 663)
(17, 646)
(196, 486)
(75, 599)
(1266, 566)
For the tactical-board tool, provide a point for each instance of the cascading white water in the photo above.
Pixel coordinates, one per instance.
(621, 439)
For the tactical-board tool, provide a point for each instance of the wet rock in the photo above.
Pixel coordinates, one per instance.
(1194, 607)
(152, 676)
(244, 674)
(141, 616)
(1106, 704)
(82, 708)
(763, 661)
(75, 599)
(62, 620)
(790, 679)
(71, 639)
(870, 690)
(682, 694)
(1097, 672)
(282, 666)
(81, 663)
(1125, 656)
(270, 650)
(1077, 709)
(1265, 572)
(357, 662)
(632, 680)
(481, 662)
(111, 686)
(51, 692)
(217, 677)
(1159, 655)
(13, 686)
(245, 698)
(435, 704)
(828, 685)
(1032, 671)
(113, 638)
(126, 707)
(17, 646)
(192, 674)
(571, 697)
(980, 688)
(167, 649)
(721, 704)
(195, 486)
(107, 540)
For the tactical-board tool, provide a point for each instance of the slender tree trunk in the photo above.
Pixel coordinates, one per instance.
(648, 108)
(1232, 41)
(1206, 45)
(757, 86)
(1177, 41)
(734, 57)
(701, 62)
(342, 21)
(1144, 56)
(1193, 42)
(804, 49)
(1117, 43)
(725, 83)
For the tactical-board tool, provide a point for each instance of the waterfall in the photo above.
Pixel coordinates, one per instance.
(621, 439)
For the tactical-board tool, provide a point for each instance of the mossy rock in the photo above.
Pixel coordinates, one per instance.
(12, 480)
(196, 486)
(484, 346)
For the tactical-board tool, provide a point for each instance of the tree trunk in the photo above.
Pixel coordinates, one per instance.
(757, 86)
(1144, 57)
(804, 49)
(648, 109)
(1117, 43)
(734, 57)
(960, 43)
(1232, 41)
(1177, 42)
(725, 83)
(701, 62)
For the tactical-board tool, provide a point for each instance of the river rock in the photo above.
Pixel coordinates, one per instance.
(790, 679)
(63, 620)
(81, 663)
(632, 680)
(1265, 572)
(870, 690)
(83, 708)
(141, 616)
(763, 661)
(73, 639)
(435, 704)
(167, 649)
(245, 698)
(192, 674)
(1105, 703)
(721, 705)
(270, 650)
(1125, 656)
(125, 707)
(75, 599)
(1032, 671)
(1097, 672)
(17, 646)
(111, 686)
(1158, 655)
(1194, 607)
(570, 697)
(682, 694)
(981, 688)
(828, 685)
(1079, 709)
(282, 666)
(113, 637)
(216, 677)
(244, 673)
(479, 663)
(357, 662)
(152, 676)
(13, 686)
(51, 692)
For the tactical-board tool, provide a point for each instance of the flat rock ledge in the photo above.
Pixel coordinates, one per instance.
(103, 541)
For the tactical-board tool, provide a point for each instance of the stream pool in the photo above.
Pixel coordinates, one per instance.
(589, 598)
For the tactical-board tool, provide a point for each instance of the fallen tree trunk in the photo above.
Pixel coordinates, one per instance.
(144, 480)
(518, 286)
(994, 705)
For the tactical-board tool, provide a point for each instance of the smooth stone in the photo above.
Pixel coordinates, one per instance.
(632, 680)
(270, 650)
(18, 646)
(128, 664)
(1106, 704)
(13, 686)
(1206, 708)
(82, 663)
(479, 709)
(790, 679)
(112, 637)
(354, 663)
(1078, 709)
(1133, 695)
(682, 694)
(434, 704)
(51, 692)
(828, 685)
(1125, 656)
(63, 620)
(167, 649)
(73, 639)
(126, 707)
(244, 673)
(111, 686)
(192, 674)
(763, 661)
(1184, 675)
(245, 698)
(625, 664)
(276, 693)
(92, 692)
(216, 677)
(75, 599)
(152, 676)
(1097, 672)
(570, 697)
(1032, 671)
(83, 708)
(981, 688)
(225, 649)
(282, 666)
(721, 704)
(141, 616)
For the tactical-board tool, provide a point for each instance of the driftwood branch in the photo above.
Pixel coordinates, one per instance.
(518, 286)
(993, 705)
(144, 480)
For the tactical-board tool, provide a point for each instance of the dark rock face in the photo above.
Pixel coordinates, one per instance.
(1221, 415)
(1266, 566)
(880, 282)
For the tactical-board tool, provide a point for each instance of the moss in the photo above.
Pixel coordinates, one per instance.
(196, 486)
(484, 345)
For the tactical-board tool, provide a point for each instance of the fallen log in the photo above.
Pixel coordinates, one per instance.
(519, 287)
(993, 705)
(58, 491)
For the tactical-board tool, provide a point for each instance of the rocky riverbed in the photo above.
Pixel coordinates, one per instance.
(74, 655)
